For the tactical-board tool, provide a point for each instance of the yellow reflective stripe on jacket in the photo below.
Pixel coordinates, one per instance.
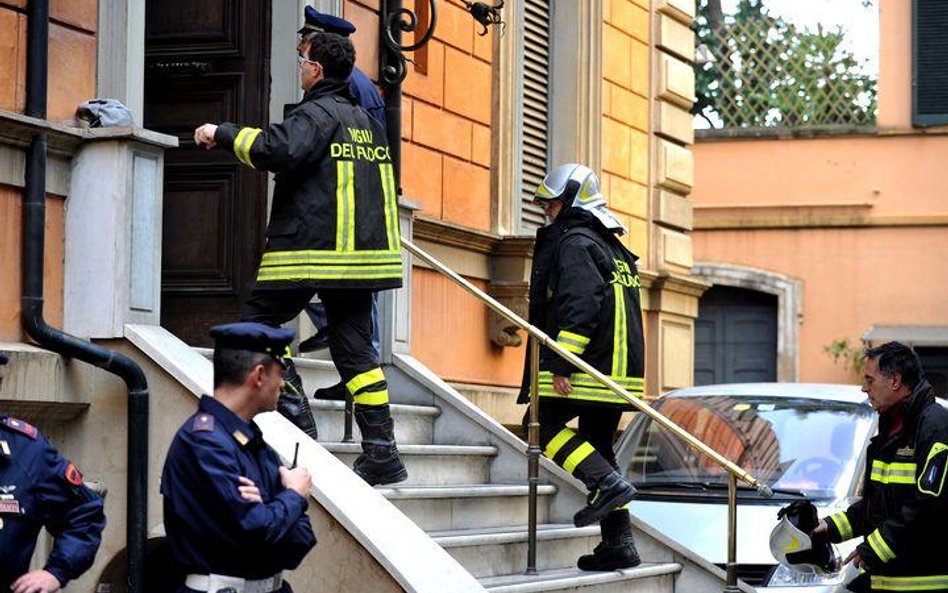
(345, 206)
(573, 342)
(387, 174)
(322, 257)
(935, 450)
(935, 582)
(280, 273)
(576, 457)
(620, 346)
(893, 473)
(557, 442)
(842, 525)
(587, 388)
(243, 142)
(880, 547)
(363, 380)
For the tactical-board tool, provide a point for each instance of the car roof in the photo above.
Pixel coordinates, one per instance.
(822, 391)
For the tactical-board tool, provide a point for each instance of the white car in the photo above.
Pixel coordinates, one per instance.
(804, 440)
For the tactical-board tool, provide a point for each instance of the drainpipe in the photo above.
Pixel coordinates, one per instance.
(31, 304)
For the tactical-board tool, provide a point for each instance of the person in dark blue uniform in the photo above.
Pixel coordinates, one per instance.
(39, 488)
(234, 516)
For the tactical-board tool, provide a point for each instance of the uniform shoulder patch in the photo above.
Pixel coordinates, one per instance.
(932, 479)
(203, 423)
(20, 426)
(73, 475)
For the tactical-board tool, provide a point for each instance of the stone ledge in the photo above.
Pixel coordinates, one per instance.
(34, 385)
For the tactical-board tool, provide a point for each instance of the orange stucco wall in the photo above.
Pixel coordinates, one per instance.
(446, 123)
(889, 269)
(885, 267)
(625, 116)
(11, 245)
(72, 75)
(447, 334)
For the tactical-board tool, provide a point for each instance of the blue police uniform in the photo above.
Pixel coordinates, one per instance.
(211, 529)
(39, 488)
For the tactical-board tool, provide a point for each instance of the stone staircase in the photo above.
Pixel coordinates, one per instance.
(460, 492)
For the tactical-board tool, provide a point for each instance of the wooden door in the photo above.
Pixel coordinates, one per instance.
(207, 61)
(735, 336)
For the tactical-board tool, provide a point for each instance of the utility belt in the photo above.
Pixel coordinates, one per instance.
(218, 583)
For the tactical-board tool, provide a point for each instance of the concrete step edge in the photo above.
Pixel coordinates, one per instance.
(469, 491)
(340, 406)
(567, 578)
(510, 535)
(461, 450)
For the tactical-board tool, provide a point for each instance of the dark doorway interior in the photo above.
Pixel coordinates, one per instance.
(935, 365)
(207, 62)
(735, 336)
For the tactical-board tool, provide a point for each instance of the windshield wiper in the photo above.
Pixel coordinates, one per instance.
(686, 485)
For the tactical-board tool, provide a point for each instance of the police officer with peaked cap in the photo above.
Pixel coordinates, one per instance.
(235, 517)
(39, 488)
(361, 86)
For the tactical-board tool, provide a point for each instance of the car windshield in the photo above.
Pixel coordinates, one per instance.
(806, 445)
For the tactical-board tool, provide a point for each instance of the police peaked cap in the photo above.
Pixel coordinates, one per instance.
(253, 337)
(320, 21)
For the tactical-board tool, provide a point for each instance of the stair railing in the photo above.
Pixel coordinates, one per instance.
(537, 337)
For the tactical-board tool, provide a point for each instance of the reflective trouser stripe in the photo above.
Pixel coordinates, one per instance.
(345, 206)
(387, 174)
(879, 546)
(361, 387)
(620, 346)
(242, 143)
(371, 398)
(842, 525)
(577, 456)
(919, 583)
(573, 342)
(893, 473)
(363, 380)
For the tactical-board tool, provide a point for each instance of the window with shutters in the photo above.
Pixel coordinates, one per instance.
(536, 85)
(540, 123)
(930, 63)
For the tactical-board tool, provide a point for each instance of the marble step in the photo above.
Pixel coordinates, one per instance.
(414, 425)
(503, 550)
(646, 578)
(443, 508)
(431, 465)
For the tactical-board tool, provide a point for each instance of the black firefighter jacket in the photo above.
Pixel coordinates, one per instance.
(334, 220)
(903, 512)
(584, 293)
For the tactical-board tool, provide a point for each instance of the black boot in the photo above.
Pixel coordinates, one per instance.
(293, 403)
(611, 492)
(617, 549)
(335, 392)
(379, 462)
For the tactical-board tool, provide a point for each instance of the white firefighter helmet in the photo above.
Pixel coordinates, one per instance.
(577, 186)
(794, 547)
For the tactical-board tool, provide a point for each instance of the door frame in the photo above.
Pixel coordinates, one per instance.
(789, 293)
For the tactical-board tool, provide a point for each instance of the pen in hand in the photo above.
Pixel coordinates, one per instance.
(296, 453)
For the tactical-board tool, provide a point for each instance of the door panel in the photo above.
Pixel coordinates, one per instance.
(735, 336)
(207, 62)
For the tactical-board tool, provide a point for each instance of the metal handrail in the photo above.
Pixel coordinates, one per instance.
(539, 337)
